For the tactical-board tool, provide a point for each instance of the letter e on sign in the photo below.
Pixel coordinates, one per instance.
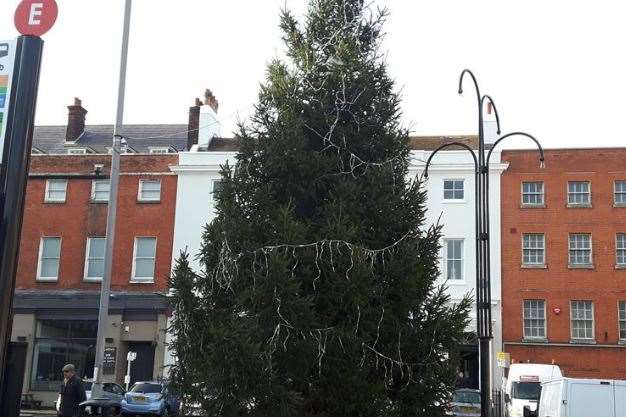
(35, 17)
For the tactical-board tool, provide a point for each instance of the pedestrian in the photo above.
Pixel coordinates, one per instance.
(72, 393)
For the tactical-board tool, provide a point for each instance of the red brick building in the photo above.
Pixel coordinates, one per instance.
(564, 260)
(61, 258)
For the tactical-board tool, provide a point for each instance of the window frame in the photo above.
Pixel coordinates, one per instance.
(543, 249)
(588, 203)
(621, 321)
(93, 190)
(140, 189)
(460, 280)
(213, 191)
(524, 318)
(453, 200)
(569, 250)
(618, 264)
(46, 197)
(39, 278)
(143, 280)
(542, 194)
(593, 321)
(87, 258)
(615, 194)
(158, 150)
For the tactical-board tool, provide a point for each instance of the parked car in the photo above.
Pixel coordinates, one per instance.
(110, 390)
(465, 403)
(150, 398)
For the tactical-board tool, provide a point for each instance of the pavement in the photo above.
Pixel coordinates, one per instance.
(37, 413)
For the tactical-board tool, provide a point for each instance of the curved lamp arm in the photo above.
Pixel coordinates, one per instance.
(466, 71)
(495, 110)
(445, 145)
(541, 155)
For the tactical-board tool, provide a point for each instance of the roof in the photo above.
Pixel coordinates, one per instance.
(422, 143)
(97, 138)
(142, 137)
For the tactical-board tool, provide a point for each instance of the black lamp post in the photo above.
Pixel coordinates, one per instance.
(483, 268)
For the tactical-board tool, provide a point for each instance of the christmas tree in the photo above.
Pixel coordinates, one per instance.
(318, 295)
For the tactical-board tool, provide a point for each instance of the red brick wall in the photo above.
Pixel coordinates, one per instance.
(558, 284)
(78, 218)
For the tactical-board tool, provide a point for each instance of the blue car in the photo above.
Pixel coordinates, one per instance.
(150, 399)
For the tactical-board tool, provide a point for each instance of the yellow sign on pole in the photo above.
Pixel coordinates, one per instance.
(504, 359)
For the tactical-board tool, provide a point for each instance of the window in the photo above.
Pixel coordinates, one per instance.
(579, 249)
(100, 190)
(57, 342)
(581, 316)
(149, 190)
(217, 187)
(532, 194)
(49, 256)
(579, 193)
(143, 265)
(55, 191)
(453, 190)
(533, 249)
(94, 258)
(454, 259)
(159, 150)
(77, 151)
(534, 319)
(622, 320)
(620, 193)
(620, 249)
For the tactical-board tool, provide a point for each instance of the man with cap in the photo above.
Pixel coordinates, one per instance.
(72, 393)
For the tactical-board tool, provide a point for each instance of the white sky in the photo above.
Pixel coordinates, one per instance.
(553, 67)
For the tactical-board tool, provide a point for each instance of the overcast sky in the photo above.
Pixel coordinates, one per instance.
(555, 68)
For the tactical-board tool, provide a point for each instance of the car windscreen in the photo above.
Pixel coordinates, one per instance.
(468, 397)
(146, 388)
(526, 390)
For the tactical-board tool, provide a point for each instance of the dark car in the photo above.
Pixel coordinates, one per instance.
(150, 398)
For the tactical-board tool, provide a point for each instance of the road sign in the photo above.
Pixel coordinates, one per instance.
(504, 359)
(35, 17)
(7, 61)
(110, 356)
(131, 356)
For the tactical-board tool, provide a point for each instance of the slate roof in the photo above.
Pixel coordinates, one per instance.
(97, 138)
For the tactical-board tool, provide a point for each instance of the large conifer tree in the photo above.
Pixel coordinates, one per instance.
(319, 295)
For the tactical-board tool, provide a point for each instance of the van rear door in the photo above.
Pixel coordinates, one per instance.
(590, 398)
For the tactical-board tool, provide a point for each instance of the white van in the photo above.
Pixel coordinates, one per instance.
(568, 397)
(523, 386)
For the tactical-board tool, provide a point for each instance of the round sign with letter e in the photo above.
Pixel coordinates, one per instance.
(35, 17)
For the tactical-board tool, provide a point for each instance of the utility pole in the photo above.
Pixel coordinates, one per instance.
(117, 148)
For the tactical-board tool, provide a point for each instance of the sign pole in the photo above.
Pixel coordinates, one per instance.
(13, 176)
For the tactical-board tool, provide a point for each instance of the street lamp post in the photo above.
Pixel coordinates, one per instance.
(483, 267)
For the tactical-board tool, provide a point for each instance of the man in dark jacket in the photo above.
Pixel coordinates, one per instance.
(72, 393)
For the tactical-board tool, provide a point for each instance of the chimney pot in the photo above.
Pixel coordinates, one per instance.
(75, 120)
(210, 100)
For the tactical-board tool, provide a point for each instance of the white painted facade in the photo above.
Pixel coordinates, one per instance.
(197, 172)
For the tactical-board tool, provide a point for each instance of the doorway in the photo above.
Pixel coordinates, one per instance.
(142, 368)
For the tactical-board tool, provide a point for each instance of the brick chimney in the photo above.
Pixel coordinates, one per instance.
(194, 124)
(210, 100)
(75, 121)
